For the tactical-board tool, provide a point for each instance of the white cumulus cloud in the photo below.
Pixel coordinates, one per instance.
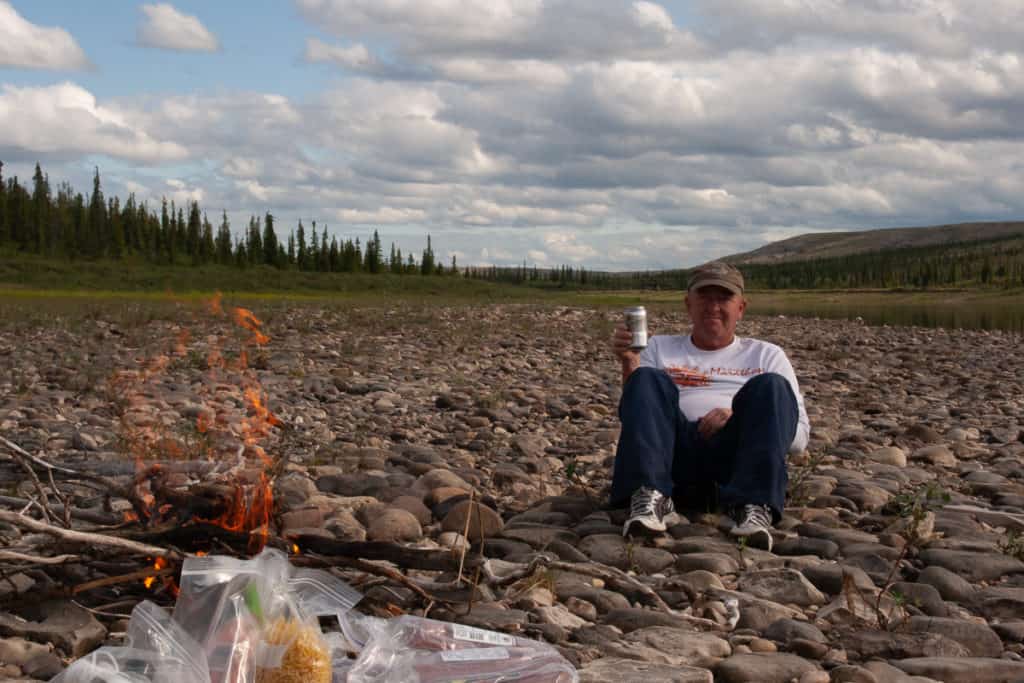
(25, 45)
(165, 27)
(66, 119)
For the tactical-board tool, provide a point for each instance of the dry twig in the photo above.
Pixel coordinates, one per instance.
(87, 538)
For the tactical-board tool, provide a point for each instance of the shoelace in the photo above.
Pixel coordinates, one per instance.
(758, 515)
(643, 502)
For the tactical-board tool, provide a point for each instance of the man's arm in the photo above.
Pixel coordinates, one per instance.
(780, 364)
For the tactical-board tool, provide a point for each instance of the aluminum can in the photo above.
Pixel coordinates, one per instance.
(636, 322)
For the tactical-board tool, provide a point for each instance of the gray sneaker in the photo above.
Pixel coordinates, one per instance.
(647, 510)
(753, 521)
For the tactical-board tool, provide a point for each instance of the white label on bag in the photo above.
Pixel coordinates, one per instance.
(482, 654)
(479, 635)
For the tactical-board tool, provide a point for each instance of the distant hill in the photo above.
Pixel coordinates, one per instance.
(825, 245)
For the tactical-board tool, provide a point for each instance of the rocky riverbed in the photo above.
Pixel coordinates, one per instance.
(899, 558)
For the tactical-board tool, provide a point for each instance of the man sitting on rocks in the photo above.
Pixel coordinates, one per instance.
(707, 417)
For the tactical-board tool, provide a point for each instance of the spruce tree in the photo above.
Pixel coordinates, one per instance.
(97, 221)
(4, 232)
(324, 256)
(40, 227)
(427, 262)
(115, 245)
(270, 255)
(193, 233)
(254, 246)
(224, 255)
(300, 246)
(207, 247)
(334, 258)
(17, 212)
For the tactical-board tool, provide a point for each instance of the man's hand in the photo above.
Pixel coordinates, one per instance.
(620, 345)
(709, 425)
(620, 342)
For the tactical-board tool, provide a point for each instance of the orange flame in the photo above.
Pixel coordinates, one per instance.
(214, 304)
(249, 506)
(158, 564)
(245, 318)
(249, 511)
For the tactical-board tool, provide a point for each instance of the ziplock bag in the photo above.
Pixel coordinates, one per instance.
(410, 649)
(158, 650)
(258, 619)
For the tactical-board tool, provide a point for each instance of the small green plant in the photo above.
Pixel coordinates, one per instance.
(912, 506)
(1012, 545)
(797, 492)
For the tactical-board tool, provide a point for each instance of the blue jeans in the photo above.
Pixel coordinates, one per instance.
(744, 462)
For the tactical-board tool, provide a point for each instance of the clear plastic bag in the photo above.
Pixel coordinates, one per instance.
(158, 650)
(411, 649)
(258, 619)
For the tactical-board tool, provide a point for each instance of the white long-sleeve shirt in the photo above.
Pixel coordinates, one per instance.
(709, 379)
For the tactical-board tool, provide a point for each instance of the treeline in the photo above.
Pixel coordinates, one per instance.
(983, 263)
(35, 219)
(66, 224)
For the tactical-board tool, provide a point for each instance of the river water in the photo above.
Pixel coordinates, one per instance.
(989, 315)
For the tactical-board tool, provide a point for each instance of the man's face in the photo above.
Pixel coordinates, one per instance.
(714, 312)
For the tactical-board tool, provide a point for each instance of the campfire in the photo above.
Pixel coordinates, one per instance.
(198, 487)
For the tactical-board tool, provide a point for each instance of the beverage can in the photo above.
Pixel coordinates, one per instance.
(636, 322)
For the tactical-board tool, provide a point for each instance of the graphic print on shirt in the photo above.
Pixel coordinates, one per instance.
(685, 376)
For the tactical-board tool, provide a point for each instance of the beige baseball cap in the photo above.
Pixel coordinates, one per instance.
(716, 273)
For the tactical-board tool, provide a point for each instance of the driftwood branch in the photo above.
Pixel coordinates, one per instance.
(76, 513)
(107, 484)
(407, 558)
(15, 556)
(86, 538)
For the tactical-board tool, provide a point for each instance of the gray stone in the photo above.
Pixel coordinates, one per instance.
(949, 585)
(785, 630)
(755, 613)
(633, 618)
(870, 644)
(852, 674)
(979, 639)
(414, 506)
(762, 668)
(683, 647)
(963, 669)
(68, 626)
(1000, 602)
(620, 670)
(540, 536)
(782, 585)
(716, 563)
(394, 524)
(610, 549)
(890, 455)
(922, 596)
(937, 454)
(972, 566)
(829, 577)
(483, 522)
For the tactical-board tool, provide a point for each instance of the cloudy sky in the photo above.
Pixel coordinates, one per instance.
(613, 135)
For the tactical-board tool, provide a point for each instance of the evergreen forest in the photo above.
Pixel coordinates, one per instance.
(38, 221)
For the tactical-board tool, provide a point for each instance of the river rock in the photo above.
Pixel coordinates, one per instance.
(619, 670)
(782, 585)
(394, 524)
(963, 669)
(483, 521)
(762, 668)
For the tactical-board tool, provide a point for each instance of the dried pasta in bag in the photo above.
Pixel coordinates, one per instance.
(305, 657)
